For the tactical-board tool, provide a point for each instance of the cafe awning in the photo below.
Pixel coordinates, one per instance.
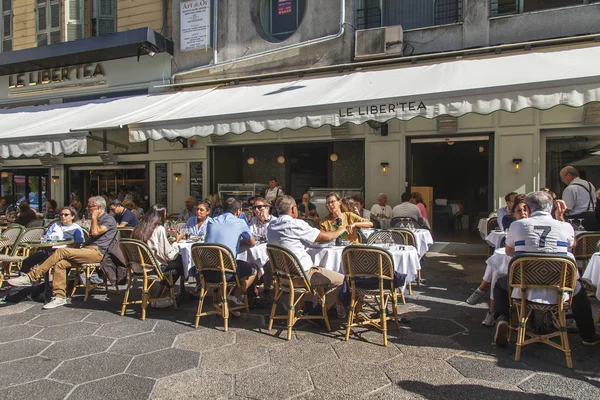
(540, 80)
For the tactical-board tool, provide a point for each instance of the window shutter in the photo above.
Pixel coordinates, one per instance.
(106, 20)
(74, 19)
(503, 7)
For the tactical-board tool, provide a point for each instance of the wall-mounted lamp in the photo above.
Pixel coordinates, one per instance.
(517, 162)
(191, 142)
(281, 159)
(333, 157)
(177, 176)
(250, 160)
(385, 167)
(55, 178)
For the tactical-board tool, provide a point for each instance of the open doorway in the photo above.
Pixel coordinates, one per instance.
(455, 177)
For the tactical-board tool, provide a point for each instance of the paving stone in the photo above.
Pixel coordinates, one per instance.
(67, 331)
(280, 383)
(435, 372)
(321, 336)
(42, 389)
(317, 394)
(144, 343)
(66, 316)
(393, 392)
(557, 385)
(163, 363)
(15, 319)
(125, 328)
(508, 372)
(175, 327)
(358, 351)
(26, 370)
(435, 326)
(261, 337)
(104, 317)
(349, 378)
(479, 389)
(427, 346)
(17, 332)
(90, 368)
(122, 386)
(204, 339)
(234, 358)
(77, 347)
(194, 384)
(21, 349)
(300, 355)
(15, 308)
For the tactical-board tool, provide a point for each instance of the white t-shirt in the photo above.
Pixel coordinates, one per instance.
(295, 235)
(257, 228)
(407, 210)
(273, 194)
(577, 198)
(377, 210)
(540, 233)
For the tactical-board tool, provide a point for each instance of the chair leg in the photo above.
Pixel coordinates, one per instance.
(225, 309)
(200, 303)
(88, 284)
(564, 338)
(418, 278)
(324, 309)
(291, 314)
(126, 297)
(395, 309)
(274, 307)
(145, 297)
(410, 289)
(351, 314)
(383, 317)
(522, 328)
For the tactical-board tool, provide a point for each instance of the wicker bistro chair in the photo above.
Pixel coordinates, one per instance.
(386, 236)
(586, 244)
(142, 264)
(290, 278)
(217, 258)
(36, 223)
(542, 271)
(9, 249)
(19, 253)
(398, 222)
(491, 225)
(125, 232)
(361, 262)
(410, 240)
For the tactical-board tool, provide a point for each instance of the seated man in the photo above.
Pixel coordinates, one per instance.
(123, 216)
(406, 209)
(103, 232)
(260, 220)
(381, 209)
(228, 229)
(296, 235)
(306, 208)
(189, 210)
(509, 199)
(540, 233)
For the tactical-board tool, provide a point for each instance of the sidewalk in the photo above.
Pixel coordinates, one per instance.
(87, 351)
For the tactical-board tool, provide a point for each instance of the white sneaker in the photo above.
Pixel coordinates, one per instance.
(22, 280)
(476, 297)
(54, 303)
(489, 320)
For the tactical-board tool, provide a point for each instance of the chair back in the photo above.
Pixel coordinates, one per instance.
(86, 234)
(213, 257)
(32, 234)
(286, 266)
(35, 223)
(586, 245)
(50, 222)
(367, 261)
(405, 222)
(139, 258)
(311, 222)
(543, 271)
(492, 224)
(409, 236)
(125, 232)
(12, 233)
(362, 237)
(386, 236)
(173, 217)
(376, 223)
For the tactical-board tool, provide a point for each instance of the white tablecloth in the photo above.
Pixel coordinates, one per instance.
(592, 272)
(495, 238)
(482, 227)
(423, 239)
(405, 261)
(496, 267)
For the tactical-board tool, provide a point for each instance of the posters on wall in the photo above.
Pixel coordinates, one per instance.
(194, 25)
(196, 182)
(160, 194)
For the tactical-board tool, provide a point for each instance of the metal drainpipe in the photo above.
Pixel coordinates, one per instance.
(164, 17)
(215, 29)
(268, 52)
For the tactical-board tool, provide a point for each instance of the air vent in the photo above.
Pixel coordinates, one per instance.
(378, 42)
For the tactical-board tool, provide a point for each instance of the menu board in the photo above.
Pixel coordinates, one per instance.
(161, 193)
(196, 189)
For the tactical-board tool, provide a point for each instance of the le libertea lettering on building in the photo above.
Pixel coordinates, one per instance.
(72, 74)
(377, 109)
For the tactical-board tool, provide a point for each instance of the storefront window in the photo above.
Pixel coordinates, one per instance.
(281, 18)
(6, 27)
(25, 185)
(505, 7)
(582, 152)
(411, 14)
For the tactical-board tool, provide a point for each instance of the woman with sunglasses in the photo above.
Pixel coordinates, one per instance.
(260, 220)
(340, 216)
(197, 224)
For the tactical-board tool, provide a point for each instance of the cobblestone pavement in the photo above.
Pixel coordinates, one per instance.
(87, 351)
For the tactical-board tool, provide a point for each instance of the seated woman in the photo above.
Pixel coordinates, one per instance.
(197, 224)
(217, 206)
(151, 230)
(417, 199)
(518, 211)
(338, 215)
(25, 215)
(51, 207)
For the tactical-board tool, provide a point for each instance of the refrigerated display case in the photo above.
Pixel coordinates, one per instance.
(241, 191)
(318, 196)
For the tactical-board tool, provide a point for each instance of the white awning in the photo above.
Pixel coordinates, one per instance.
(511, 83)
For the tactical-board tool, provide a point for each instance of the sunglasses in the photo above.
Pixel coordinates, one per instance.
(65, 214)
(259, 207)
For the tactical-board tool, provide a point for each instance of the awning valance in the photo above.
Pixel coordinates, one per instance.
(511, 83)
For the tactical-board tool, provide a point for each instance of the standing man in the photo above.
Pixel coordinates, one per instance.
(381, 209)
(103, 232)
(580, 198)
(122, 215)
(510, 200)
(273, 192)
(189, 210)
(406, 209)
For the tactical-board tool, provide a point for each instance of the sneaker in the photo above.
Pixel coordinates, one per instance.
(22, 280)
(501, 336)
(235, 313)
(54, 303)
(594, 340)
(95, 279)
(161, 303)
(489, 320)
(476, 297)
(236, 300)
(341, 311)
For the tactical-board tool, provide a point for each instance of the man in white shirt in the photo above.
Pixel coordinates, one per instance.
(296, 235)
(540, 233)
(273, 192)
(381, 209)
(580, 198)
(510, 200)
(406, 209)
(189, 210)
(260, 221)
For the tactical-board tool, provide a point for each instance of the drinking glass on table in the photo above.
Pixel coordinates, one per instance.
(581, 227)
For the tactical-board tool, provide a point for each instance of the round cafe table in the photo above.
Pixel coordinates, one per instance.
(494, 238)
(31, 244)
(482, 227)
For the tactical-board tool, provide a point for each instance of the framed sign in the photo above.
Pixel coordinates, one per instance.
(196, 182)
(194, 25)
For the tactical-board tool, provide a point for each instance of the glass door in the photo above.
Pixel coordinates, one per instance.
(20, 185)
